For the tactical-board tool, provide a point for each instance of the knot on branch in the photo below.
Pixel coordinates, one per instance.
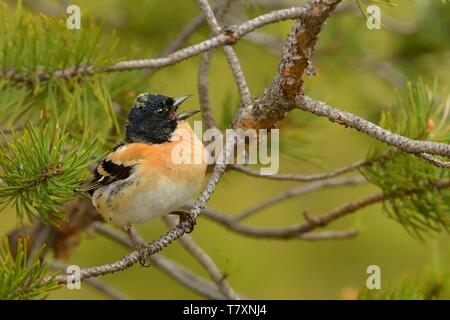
(314, 221)
(231, 33)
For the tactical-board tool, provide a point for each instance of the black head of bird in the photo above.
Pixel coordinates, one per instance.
(154, 118)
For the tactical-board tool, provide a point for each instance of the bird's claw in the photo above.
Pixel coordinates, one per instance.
(142, 252)
(188, 217)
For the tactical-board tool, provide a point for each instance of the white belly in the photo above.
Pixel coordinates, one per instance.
(144, 202)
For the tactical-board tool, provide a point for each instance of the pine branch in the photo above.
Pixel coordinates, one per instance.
(21, 275)
(416, 116)
(38, 174)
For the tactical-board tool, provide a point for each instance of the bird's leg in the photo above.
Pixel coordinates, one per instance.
(186, 216)
(140, 246)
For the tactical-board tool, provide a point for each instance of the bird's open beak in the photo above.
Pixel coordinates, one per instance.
(180, 100)
(186, 114)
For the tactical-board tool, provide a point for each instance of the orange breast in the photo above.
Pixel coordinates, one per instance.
(182, 158)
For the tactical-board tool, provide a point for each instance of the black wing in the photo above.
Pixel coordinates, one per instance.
(106, 173)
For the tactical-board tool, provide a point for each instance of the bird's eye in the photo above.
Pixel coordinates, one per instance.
(160, 111)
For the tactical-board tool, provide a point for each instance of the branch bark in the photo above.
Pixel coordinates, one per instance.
(416, 147)
(279, 98)
(303, 177)
(232, 58)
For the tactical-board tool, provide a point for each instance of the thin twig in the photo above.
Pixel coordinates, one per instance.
(302, 177)
(203, 92)
(41, 233)
(202, 81)
(11, 130)
(187, 278)
(313, 186)
(327, 235)
(437, 162)
(230, 54)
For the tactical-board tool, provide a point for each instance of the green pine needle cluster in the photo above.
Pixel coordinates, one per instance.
(41, 168)
(21, 277)
(47, 69)
(419, 116)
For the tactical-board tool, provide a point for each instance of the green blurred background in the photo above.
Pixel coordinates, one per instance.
(358, 70)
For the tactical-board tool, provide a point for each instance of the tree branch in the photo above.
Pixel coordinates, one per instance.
(279, 98)
(232, 58)
(416, 147)
(437, 162)
(202, 80)
(203, 92)
(303, 177)
(298, 191)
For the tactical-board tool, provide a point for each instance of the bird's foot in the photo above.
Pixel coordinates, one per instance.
(140, 246)
(142, 250)
(188, 217)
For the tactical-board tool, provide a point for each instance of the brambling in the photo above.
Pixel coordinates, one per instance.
(138, 180)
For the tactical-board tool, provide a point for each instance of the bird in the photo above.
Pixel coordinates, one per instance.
(138, 180)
